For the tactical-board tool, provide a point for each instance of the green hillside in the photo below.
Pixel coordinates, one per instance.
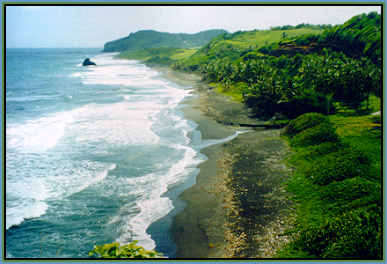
(298, 79)
(336, 187)
(359, 36)
(238, 44)
(153, 39)
(160, 56)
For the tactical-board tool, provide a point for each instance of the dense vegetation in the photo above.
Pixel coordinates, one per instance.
(288, 70)
(328, 79)
(144, 39)
(303, 25)
(237, 45)
(336, 72)
(337, 187)
(358, 37)
(292, 85)
(295, 82)
(116, 251)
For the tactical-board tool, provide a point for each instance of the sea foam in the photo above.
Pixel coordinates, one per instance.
(61, 154)
(38, 135)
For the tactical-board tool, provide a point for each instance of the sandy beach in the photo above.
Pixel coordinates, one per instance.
(238, 207)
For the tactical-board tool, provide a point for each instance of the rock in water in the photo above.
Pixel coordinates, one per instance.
(88, 62)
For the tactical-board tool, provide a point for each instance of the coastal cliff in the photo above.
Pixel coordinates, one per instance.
(144, 39)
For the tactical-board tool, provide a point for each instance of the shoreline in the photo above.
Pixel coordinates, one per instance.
(216, 222)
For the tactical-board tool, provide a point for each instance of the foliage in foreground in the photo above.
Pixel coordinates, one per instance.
(336, 191)
(115, 250)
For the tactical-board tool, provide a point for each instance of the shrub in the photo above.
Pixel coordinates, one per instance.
(350, 193)
(263, 106)
(304, 157)
(131, 250)
(358, 235)
(353, 234)
(311, 102)
(337, 166)
(159, 60)
(324, 148)
(303, 122)
(315, 135)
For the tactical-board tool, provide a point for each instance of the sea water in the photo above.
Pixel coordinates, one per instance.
(91, 153)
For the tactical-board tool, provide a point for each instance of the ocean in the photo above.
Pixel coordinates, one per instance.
(93, 154)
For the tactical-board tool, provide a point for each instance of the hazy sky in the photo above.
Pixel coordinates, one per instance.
(92, 26)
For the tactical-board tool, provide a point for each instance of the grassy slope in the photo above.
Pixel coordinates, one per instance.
(360, 133)
(167, 55)
(239, 43)
(232, 46)
(359, 36)
(260, 38)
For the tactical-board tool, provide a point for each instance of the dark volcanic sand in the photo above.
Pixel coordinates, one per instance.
(237, 208)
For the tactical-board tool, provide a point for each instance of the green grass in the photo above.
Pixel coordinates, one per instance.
(336, 189)
(182, 54)
(164, 55)
(259, 38)
(364, 134)
(264, 37)
(232, 46)
(235, 46)
(373, 105)
(232, 91)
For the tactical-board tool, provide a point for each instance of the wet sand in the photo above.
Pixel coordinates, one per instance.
(238, 207)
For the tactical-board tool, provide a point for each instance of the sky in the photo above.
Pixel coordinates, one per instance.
(92, 26)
